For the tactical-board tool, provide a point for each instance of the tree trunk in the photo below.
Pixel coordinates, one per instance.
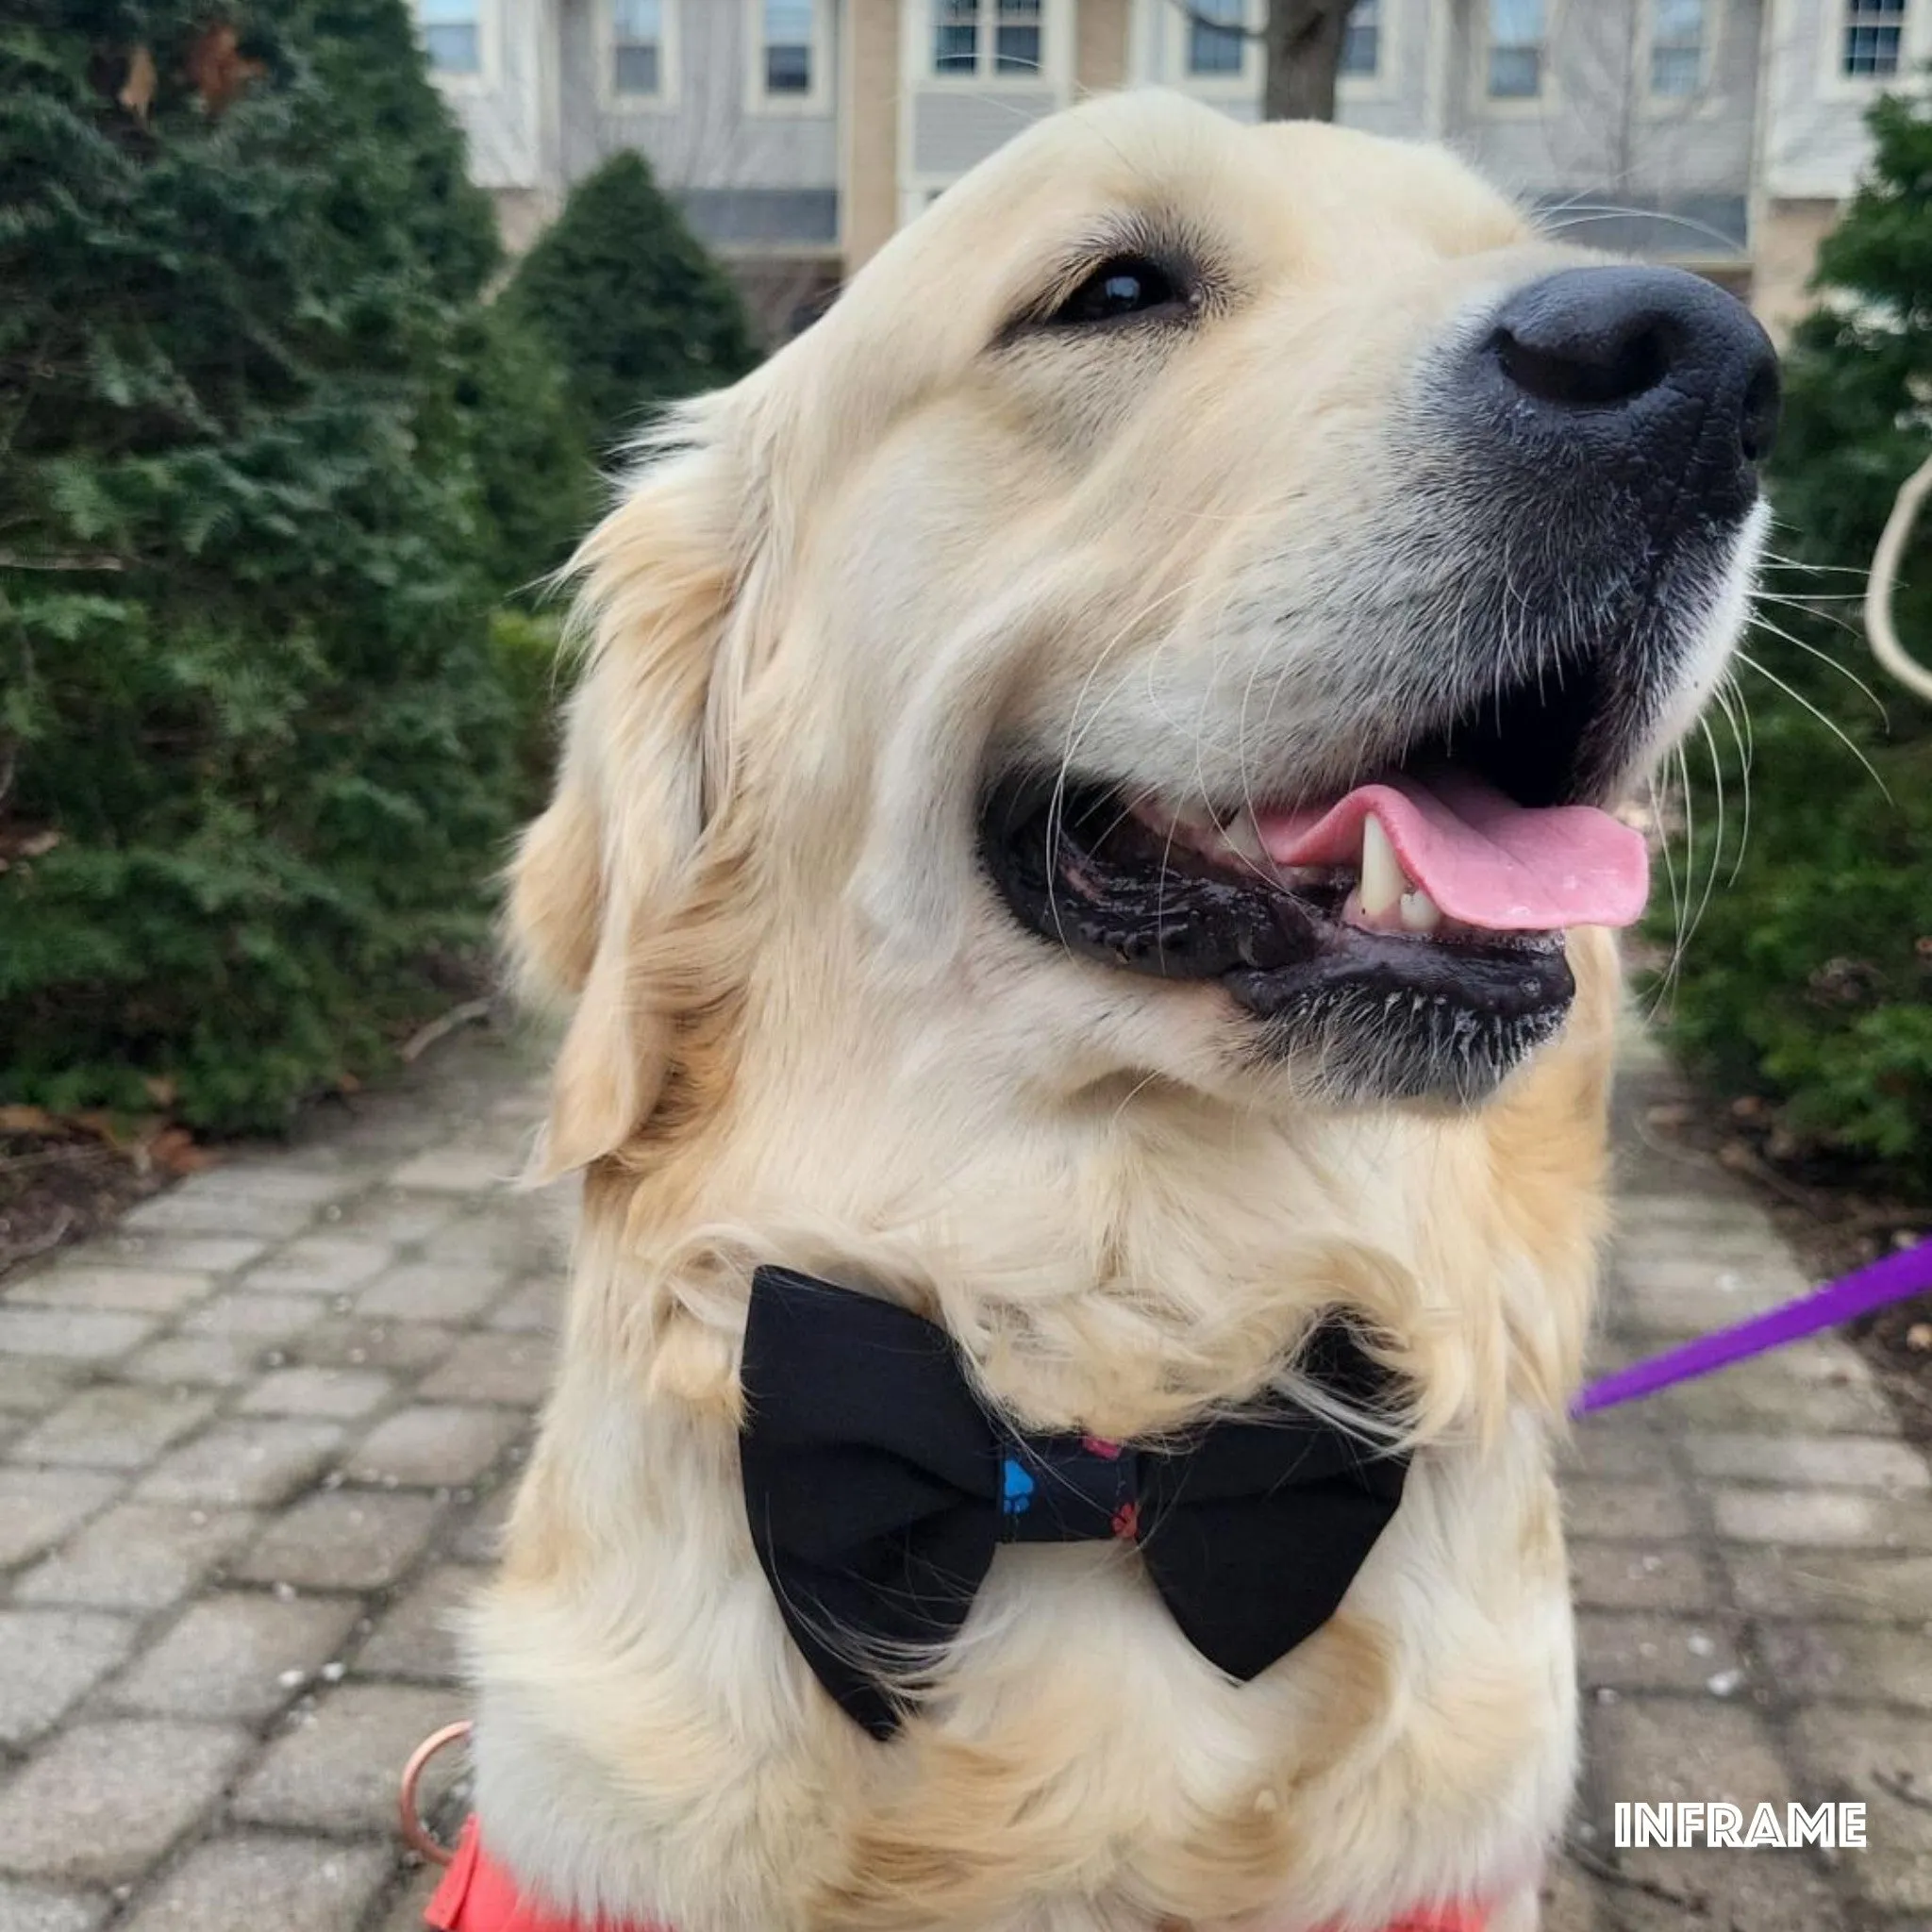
(1303, 49)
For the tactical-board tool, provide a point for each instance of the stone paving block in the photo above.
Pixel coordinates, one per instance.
(1655, 1749)
(1625, 1512)
(392, 1219)
(1856, 1462)
(432, 1292)
(194, 1254)
(334, 1768)
(520, 1237)
(1568, 1905)
(415, 1635)
(1615, 1446)
(73, 1335)
(1720, 1891)
(342, 1540)
(1885, 1760)
(405, 1913)
(38, 1506)
(31, 1387)
(40, 1909)
(433, 1445)
(243, 1464)
(534, 1308)
(285, 1179)
(113, 1426)
(238, 1654)
(208, 1361)
(457, 1171)
(1700, 1210)
(351, 1341)
(261, 1319)
(137, 1291)
(1637, 1649)
(1755, 1396)
(139, 1557)
(1850, 1663)
(323, 1264)
(1837, 1517)
(1858, 1585)
(345, 1394)
(51, 1658)
(480, 1539)
(102, 1802)
(510, 1369)
(263, 1882)
(188, 1209)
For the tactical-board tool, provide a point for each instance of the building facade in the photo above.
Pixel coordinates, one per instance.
(798, 134)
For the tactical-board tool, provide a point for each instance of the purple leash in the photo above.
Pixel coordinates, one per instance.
(1893, 1279)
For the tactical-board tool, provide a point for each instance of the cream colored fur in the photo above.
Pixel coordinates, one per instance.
(801, 1030)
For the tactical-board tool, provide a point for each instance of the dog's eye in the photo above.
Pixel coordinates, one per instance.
(1128, 285)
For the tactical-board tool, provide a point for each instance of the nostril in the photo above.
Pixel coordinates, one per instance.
(1758, 429)
(1587, 373)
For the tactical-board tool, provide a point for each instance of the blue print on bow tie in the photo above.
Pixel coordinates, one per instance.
(1016, 1487)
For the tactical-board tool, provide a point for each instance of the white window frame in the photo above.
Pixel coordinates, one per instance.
(1375, 80)
(1245, 84)
(620, 101)
(1706, 55)
(1708, 99)
(1915, 50)
(1837, 30)
(817, 98)
(1517, 107)
(924, 52)
(920, 188)
(488, 53)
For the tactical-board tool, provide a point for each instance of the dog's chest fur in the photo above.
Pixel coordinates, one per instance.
(651, 1745)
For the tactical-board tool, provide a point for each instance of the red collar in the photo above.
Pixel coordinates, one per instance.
(478, 1895)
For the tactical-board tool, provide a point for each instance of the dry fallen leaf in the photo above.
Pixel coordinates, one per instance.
(137, 91)
(173, 1149)
(27, 1120)
(218, 69)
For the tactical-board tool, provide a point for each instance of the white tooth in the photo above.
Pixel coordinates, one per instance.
(1383, 878)
(1241, 838)
(1419, 913)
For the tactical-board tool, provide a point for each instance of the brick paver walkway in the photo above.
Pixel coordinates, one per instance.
(253, 1445)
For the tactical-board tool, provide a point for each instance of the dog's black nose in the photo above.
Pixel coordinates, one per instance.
(1657, 372)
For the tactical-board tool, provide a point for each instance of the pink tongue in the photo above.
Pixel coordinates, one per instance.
(1485, 861)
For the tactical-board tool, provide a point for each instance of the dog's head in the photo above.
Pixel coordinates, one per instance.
(1180, 612)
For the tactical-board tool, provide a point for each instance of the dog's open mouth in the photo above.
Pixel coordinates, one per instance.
(1416, 919)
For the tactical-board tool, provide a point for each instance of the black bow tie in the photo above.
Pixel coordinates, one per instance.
(878, 1486)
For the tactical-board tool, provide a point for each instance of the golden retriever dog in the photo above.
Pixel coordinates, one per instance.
(1085, 819)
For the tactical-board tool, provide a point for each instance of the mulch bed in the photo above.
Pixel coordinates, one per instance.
(58, 1184)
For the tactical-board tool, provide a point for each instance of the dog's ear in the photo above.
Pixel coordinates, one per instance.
(601, 872)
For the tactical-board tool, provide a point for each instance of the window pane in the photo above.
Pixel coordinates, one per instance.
(1213, 49)
(955, 36)
(1361, 38)
(1515, 73)
(1516, 22)
(1016, 50)
(452, 49)
(636, 70)
(789, 23)
(636, 20)
(1676, 69)
(1681, 22)
(787, 70)
(446, 13)
(1872, 50)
